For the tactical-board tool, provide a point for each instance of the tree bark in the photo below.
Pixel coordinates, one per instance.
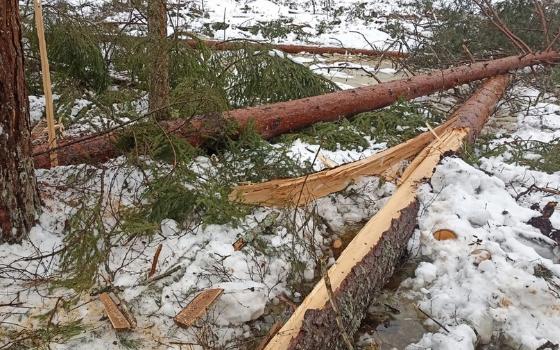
(369, 260)
(278, 118)
(19, 200)
(293, 49)
(158, 99)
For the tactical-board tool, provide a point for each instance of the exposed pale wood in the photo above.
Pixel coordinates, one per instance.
(306, 327)
(46, 74)
(117, 318)
(197, 307)
(302, 190)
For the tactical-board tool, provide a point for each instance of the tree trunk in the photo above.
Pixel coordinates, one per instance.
(278, 118)
(158, 99)
(19, 200)
(368, 261)
(293, 49)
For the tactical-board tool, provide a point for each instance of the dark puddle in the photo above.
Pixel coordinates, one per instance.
(392, 321)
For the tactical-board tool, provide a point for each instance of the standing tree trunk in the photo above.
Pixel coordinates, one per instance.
(19, 199)
(159, 59)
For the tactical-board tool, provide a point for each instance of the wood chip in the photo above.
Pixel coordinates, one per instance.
(239, 244)
(197, 307)
(271, 333)
(117, 318)
(337, 243)
(444, 234)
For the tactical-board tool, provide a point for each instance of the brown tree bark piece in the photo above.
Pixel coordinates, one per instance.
(19, 199)
(155, 260)
(278, 118)
(293, 49)
(197, 307)
(369, 260)
(117, 318)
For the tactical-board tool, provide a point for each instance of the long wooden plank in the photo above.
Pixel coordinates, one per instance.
(304, 189)
(46, 74)
(197, 307)
(368, 261)
(117, 318)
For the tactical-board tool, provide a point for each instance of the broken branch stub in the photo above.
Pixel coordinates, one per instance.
(368, 261)
(279, 118)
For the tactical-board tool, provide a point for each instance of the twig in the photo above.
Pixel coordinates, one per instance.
(334, 306)
(534, 187)
(433, 319)
(155, 261)
(540, 12)
(163, 275)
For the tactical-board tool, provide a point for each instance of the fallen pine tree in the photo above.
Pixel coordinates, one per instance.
(369, 260)
(275, 119)
(237, 44)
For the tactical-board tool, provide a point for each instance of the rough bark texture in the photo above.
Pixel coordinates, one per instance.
(279, 118)
(159, 59)
(319, 330)
(294, 49)
(19, 201)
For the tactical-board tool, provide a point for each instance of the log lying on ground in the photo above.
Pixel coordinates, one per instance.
(368, 261)
(304, 189)
(293, 49)
(279, 118)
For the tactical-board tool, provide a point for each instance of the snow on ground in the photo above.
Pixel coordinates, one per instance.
(488, 285)
(344, 23)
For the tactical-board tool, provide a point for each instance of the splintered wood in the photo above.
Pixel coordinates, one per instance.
(197, 307)
(117, 318)
(368, 261)
(302, 190)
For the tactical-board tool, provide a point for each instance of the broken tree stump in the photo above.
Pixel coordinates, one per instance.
(197, 307)
(279, 118)
(369, 260)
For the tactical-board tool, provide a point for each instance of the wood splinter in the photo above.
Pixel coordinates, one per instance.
(197, 307)
(116, 316)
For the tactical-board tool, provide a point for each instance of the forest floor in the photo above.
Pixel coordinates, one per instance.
(496, 286)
